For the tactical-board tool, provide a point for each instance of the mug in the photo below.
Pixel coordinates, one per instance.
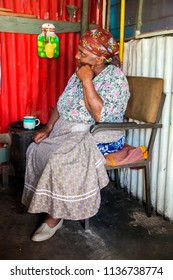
(30, 122)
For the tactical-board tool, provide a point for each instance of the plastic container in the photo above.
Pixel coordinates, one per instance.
(48, 42)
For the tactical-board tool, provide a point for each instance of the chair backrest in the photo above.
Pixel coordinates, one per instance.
(145, 98)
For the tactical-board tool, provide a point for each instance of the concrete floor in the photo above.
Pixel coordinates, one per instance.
(120, 231)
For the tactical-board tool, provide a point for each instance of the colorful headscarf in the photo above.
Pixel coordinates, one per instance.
(100, 42)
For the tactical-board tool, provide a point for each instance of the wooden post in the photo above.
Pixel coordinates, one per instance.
(139, 18)
(108, 11)
(84, 17)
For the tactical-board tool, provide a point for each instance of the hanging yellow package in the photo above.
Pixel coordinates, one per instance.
(48, 42)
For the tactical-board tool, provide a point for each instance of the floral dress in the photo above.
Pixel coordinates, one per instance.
(112, 87)
(66, 171)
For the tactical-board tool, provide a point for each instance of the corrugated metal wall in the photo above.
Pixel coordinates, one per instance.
(30, 84)
(154, 58)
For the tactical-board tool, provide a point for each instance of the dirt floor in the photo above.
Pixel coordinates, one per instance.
(120, 231)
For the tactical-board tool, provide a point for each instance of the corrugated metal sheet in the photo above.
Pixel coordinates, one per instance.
(30, 84)
(154, 58)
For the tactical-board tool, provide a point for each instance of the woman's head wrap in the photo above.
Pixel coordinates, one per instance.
(101, 43)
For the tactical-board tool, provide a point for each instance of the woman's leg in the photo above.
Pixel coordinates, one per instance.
(50, 221)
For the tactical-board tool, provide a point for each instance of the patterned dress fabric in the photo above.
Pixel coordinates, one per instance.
(64, 174)
(66, 171)
(110, 84)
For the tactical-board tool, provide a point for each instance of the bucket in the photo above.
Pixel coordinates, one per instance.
(4, 153)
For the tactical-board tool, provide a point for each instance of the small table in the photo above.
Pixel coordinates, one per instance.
(21, 138)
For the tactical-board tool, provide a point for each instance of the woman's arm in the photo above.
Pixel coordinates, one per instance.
(44, 132)
(93, 101)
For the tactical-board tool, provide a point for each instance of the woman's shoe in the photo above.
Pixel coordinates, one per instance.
(45, 232)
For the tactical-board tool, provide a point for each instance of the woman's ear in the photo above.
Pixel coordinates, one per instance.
(100, 60)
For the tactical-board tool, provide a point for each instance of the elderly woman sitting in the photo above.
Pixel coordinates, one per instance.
(65, 164)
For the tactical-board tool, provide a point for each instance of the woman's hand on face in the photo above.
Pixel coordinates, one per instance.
(85, 72)
(40, 135)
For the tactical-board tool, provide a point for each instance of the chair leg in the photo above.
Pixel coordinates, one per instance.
(147, 190)
(117, 180)
(86, 225)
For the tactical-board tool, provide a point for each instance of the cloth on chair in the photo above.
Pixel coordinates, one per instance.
(109, 148)
(128, 154)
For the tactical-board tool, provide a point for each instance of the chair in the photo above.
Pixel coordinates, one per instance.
(144, 109)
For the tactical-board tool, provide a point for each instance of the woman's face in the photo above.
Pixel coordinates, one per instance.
(85, 57)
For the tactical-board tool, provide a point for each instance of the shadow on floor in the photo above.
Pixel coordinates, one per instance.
(120, 231)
